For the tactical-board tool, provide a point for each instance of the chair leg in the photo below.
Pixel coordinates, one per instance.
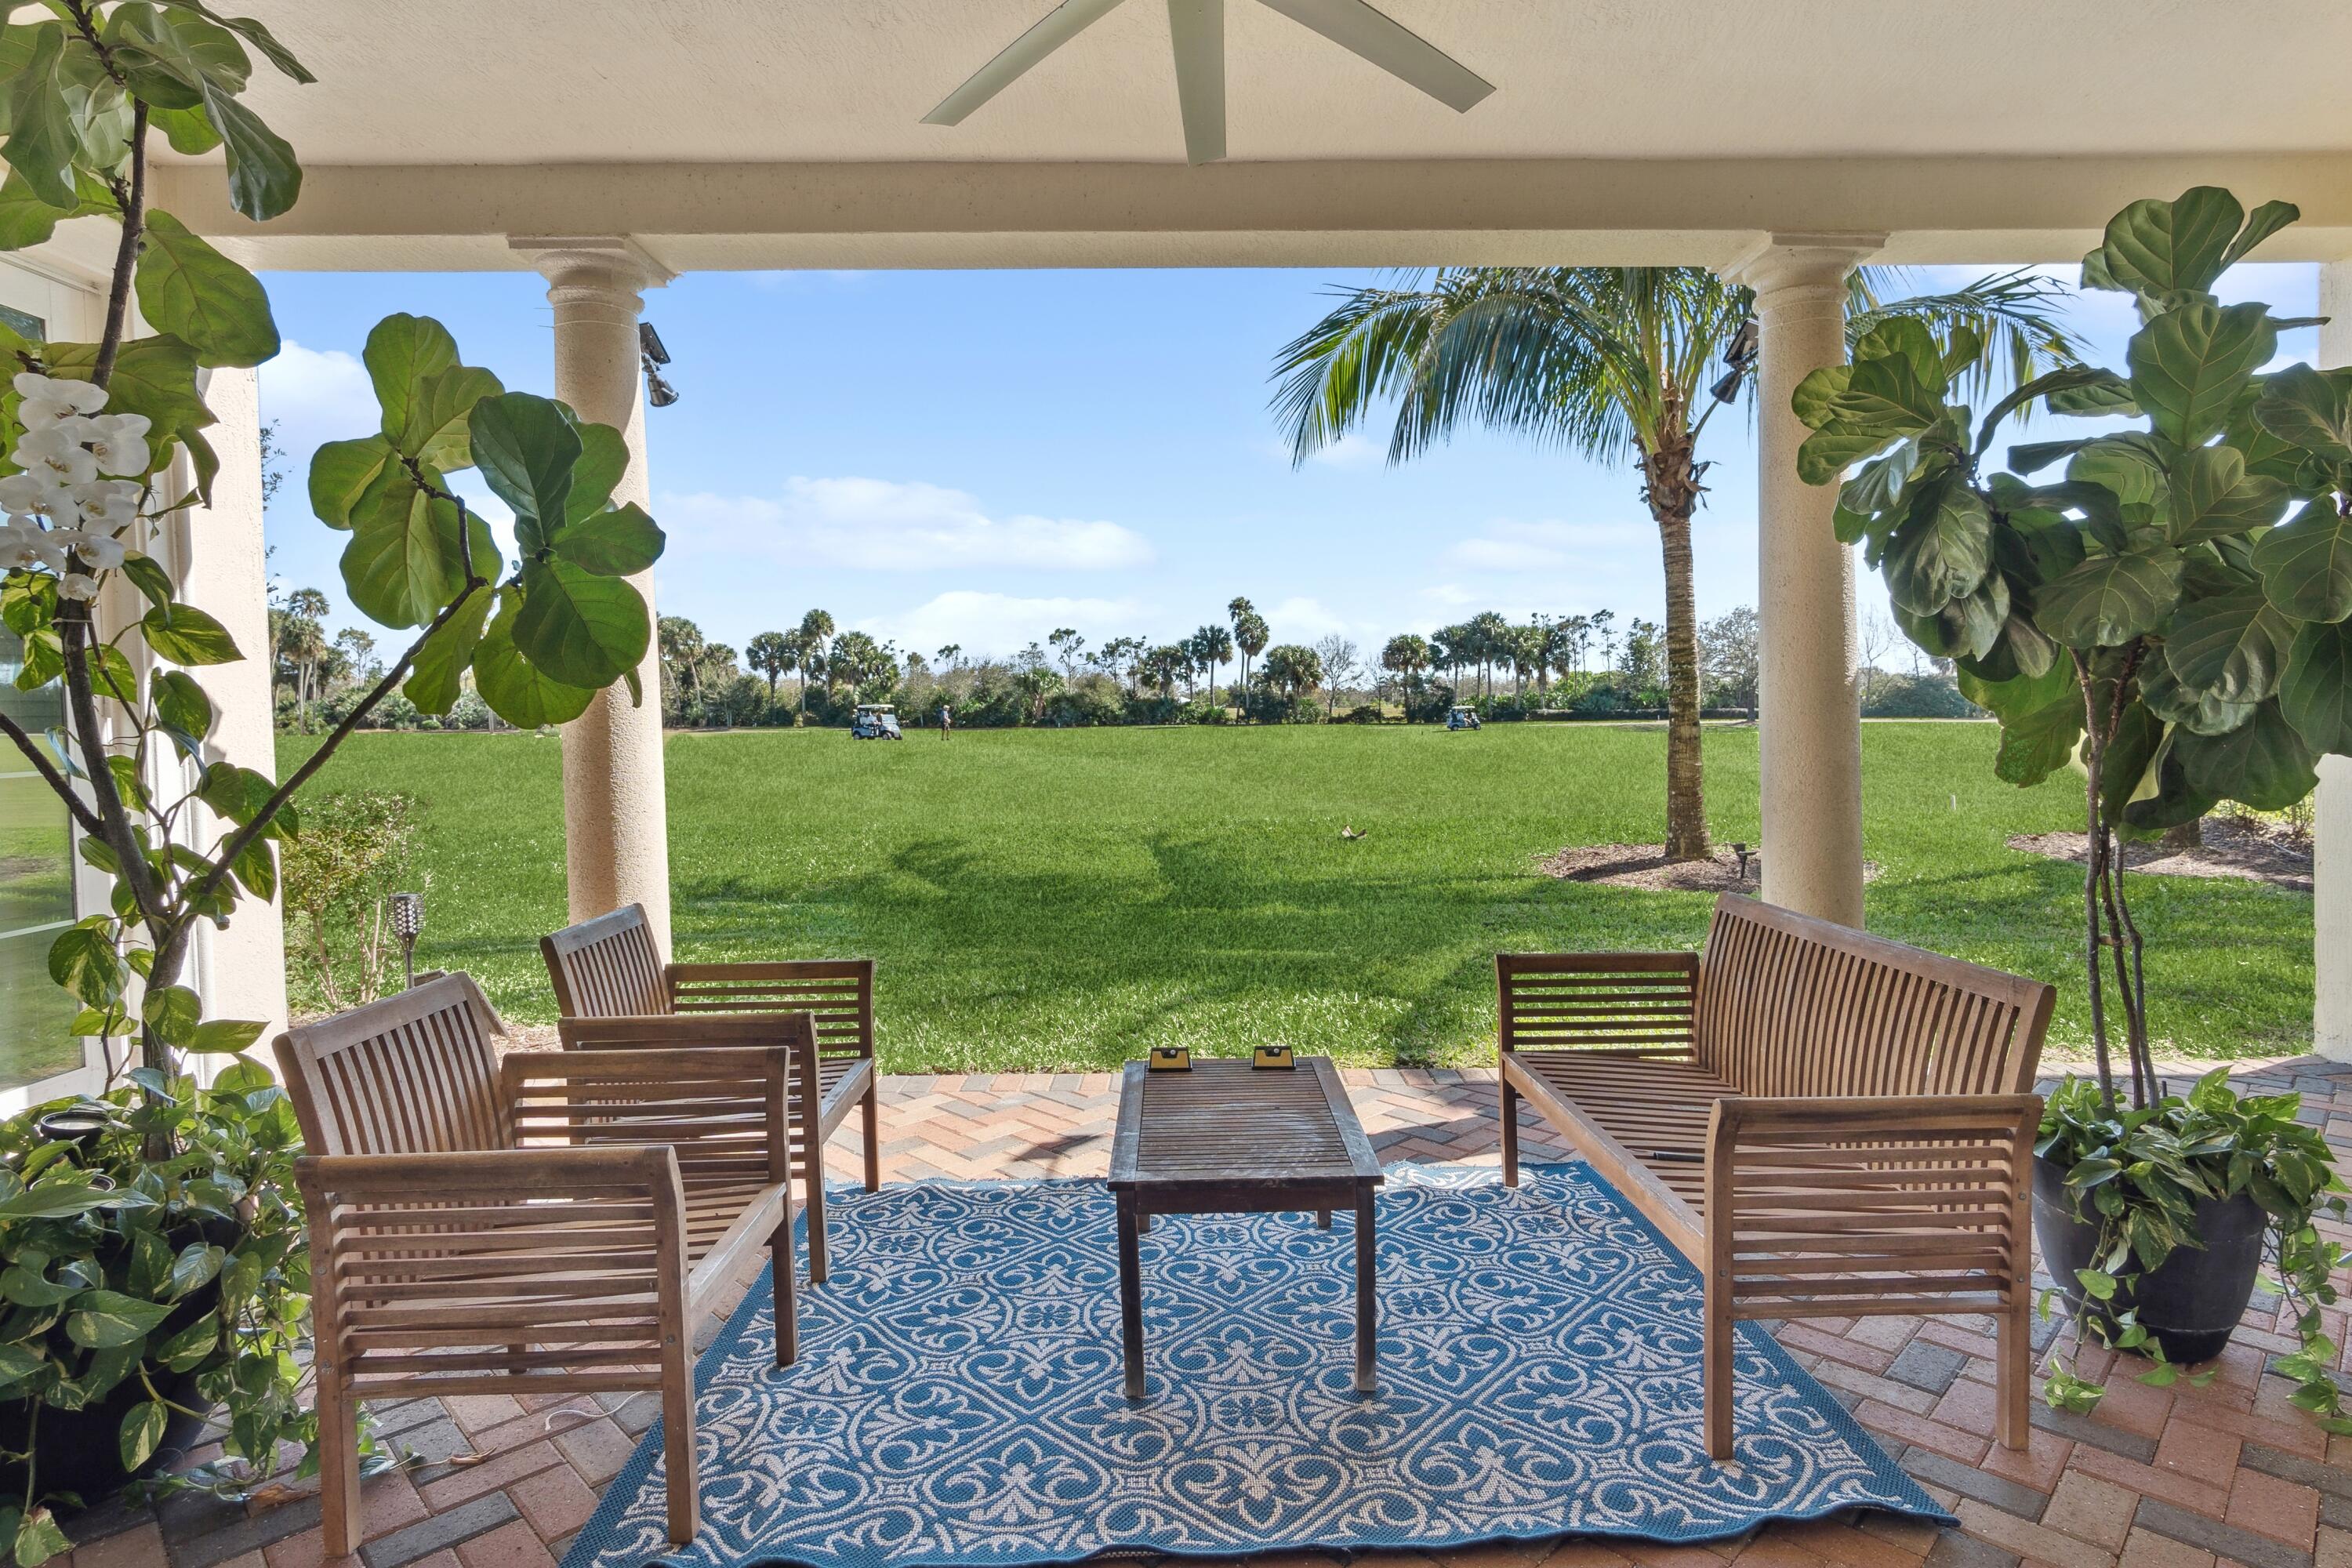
(2013, 1379)
(1716, 1372)
(1510, 1130)
(812, 1177)
(788, 1306)
(338, 1465)
(677, 1436)
(872, 1113)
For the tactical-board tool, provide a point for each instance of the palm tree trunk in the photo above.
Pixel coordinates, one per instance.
(1673, 494)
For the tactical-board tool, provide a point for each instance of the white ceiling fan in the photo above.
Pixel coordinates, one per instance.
(1197, 29)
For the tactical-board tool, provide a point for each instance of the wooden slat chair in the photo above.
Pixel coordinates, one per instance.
(1826, 1123)
(614, 990)
(553, 1221)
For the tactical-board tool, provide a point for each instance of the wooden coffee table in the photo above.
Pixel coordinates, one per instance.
(1228, 1138)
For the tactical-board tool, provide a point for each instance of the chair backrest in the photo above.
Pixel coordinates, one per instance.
(1789, 1004)
(607, 967)
(412, 1074)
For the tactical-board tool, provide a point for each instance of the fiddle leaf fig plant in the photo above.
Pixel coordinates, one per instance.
(2166, 608)
(101, 444)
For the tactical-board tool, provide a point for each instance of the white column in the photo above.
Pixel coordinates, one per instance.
(1809, 726)
(240, 972)
(2331, 882)
(616, 832)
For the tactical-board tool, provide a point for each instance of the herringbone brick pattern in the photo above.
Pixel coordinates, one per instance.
(2179, 1477)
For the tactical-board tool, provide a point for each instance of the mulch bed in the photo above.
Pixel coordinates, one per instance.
(1645, 867)
(2233, 848)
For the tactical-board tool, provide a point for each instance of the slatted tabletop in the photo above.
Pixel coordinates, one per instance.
(1226, 1121)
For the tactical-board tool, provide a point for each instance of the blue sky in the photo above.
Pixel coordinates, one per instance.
(978, 457)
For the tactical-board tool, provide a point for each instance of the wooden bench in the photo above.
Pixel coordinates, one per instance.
(614, 990)
(556, 1221)
(1826, 1123)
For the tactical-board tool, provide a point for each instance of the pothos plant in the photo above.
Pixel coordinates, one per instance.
(2172, 613)
(100, 444)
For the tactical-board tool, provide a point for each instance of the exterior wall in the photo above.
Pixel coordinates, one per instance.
(2332, 879)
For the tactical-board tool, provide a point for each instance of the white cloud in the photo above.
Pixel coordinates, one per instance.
(1506, 546)
(887, 525)
(1454, 595)
(998, 624)
(315, 396)
(1300, 619)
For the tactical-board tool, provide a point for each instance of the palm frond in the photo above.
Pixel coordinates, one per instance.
(2019, 317)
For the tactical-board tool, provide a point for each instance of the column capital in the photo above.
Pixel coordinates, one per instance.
(1777, 262)
(609, 262)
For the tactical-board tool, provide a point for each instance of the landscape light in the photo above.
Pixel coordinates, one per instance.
(1741, 357)
(408, 924)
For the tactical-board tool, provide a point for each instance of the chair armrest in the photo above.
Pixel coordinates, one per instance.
(724, 1110)
(1926, 1192)
(838, 990)
(1642, 1005)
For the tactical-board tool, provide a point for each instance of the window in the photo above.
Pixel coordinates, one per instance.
(36, 896)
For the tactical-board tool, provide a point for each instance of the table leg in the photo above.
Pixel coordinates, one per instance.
(1130, 1293)
(1367, 1312)
(1322, 1219)
(1143, 1225)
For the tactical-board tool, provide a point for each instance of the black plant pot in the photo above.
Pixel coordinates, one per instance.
(2192, 1303)
(80, 1451)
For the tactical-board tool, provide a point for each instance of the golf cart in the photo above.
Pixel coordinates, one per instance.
(1461, 719)
(876, 722)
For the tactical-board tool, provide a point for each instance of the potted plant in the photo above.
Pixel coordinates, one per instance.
(2172, 613)
(160, 1250)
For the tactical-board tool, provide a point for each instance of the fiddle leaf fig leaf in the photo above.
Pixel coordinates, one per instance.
(2263, 763)
(434, 683)
(402, 351)
(2104, 394)
(604, 460)
(435, 431)
(264, 178)
(2310, 409)
(2267, 220)
(41, 142)
(2230, 647)
(186, 635)
(2189, 364)
(2158, 247)
(410, 550)
(2111, 599)
(619, 542)
(2067, 378)
(527, 449)
(2199, 712)
(2035, 744)
(25, 220)
(516, 689)
(2315, 692)
(1942, 551)
(580, 628)
(341, 472)
(2212, 495)
(2130, 467)
(209, 303)
(2306, 563)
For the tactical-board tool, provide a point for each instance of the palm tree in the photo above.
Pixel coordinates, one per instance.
(1607, 362)
(1408, 656)
(1291, 670)
(817, 627)
(1212, 646)
(772, 654)
(1251, 633)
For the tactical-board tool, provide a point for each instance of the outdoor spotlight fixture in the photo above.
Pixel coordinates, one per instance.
(407, 924)
(1741, 357)
(658, 392)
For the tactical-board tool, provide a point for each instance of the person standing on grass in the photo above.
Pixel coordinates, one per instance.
(946, 721)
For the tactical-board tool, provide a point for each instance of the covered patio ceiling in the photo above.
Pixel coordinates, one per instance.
(768, 133)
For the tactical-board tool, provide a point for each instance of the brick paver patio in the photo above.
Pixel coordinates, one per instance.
(2178, 1477)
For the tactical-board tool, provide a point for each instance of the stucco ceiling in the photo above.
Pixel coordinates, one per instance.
(539, 81)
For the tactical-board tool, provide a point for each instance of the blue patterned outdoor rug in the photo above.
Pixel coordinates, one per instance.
(957, 1398)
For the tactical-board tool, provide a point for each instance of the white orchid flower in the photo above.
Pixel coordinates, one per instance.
(119, 442)
(78, 587)
(48, 400)
(100, 552)
(27, 495)
(55, 456)
(23, 547)
(107, 504)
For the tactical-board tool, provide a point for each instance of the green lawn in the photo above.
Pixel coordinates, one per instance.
(1064, 899)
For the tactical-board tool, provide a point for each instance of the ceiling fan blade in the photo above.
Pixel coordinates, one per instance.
(1056, 27)
(1355, 26)
(1197, 28)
